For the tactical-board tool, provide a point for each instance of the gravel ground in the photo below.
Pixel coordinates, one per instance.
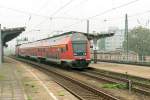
(26, 82)
(135, 70)
(123, 94)
(20, 81)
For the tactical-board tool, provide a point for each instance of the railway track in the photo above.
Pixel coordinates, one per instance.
(81, 90)
(132, 85)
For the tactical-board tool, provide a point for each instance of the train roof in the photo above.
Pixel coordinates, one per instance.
(66, 33)
(89, 36)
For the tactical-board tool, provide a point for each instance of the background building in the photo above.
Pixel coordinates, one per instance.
(112, 43)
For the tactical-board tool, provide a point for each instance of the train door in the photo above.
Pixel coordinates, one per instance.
(39, 52)
(42, 52)
(58, 53)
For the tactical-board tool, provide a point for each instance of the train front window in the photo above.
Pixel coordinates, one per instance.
(79, 49)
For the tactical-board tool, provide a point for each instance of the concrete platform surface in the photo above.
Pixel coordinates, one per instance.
(20, 81)
(10, 86)
(135, 70)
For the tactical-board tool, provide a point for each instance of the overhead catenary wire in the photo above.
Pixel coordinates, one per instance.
(116, 18)
(62, 7)
(36, 14)
(43, 6)
(112, 19)
(58, 10)
(66, 18)
(28, 21)
(24, 12)
(80, 3)
(73, 24)
(109, 10)
(30, 14)
(130, 16)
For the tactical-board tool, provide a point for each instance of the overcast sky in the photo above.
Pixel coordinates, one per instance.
(43, 17)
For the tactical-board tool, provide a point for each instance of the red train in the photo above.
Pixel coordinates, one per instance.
(71, 49)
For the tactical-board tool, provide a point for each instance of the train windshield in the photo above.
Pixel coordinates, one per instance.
(79, 48)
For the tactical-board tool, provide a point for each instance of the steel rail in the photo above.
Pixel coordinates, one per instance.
(81, 90)
(135, 86)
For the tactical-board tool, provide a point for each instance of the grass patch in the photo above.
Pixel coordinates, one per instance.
(29, 86)
(29, 98)
(61, 93)
(2, 77)
(115, 86)
(19, 71)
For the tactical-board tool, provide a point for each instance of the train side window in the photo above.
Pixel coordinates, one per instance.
(66, 47)
(38, 49)
(61, 50)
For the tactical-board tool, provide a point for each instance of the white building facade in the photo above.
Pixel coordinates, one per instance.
(113, 43)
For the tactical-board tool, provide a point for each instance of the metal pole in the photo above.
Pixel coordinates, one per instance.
(95, 50)
(87, 29)
(2, 51)
(129, 85)
(126, 33)
(95, 56)
(87, 26)
(1, 46)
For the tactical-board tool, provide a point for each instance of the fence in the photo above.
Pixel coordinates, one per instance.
(119, 56)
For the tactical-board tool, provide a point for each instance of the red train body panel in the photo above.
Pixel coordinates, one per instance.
(71, 49)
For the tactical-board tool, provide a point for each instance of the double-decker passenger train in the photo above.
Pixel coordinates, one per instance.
(71, 49)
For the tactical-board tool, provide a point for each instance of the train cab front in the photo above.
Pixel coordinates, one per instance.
(81, 56)
(80, 63)
(81, 51)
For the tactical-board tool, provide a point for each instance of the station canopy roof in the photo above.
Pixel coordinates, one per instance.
(10, 33)
(90, 36)
(98, 36)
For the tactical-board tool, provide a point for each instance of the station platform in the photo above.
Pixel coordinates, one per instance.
(10, 86)
(140, 71)
(20, 81)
